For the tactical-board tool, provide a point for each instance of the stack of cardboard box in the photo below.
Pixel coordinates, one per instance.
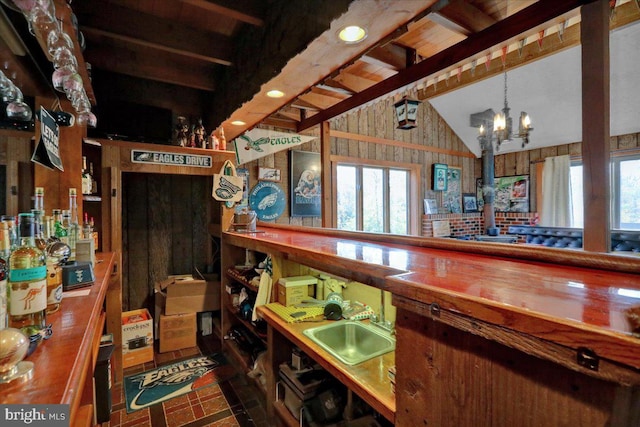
(178, 299)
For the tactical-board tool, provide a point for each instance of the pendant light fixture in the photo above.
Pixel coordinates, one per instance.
(502, 126)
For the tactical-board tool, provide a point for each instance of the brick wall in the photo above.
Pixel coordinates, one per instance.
(467, 225)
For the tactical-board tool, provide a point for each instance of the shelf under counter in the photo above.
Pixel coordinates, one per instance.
(368, 379)
(63, 364)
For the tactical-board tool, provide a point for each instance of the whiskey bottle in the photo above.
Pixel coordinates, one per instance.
(5, 251)
(27, 281)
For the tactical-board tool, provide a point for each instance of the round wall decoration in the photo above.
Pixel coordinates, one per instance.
(268, 200)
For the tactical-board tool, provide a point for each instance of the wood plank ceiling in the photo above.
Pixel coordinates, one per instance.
(188, 42)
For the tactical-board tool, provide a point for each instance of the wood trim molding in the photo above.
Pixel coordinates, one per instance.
(565, 356)
(394, 143)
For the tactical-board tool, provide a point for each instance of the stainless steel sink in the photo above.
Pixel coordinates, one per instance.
(352, 342)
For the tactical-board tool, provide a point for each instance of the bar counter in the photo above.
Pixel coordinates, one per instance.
(571, 306)
(64, 363)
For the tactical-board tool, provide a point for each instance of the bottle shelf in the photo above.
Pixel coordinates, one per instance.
(236, 276)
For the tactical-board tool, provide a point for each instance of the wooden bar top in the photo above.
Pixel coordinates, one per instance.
(61, 361)
(368, 379)
(563, 304)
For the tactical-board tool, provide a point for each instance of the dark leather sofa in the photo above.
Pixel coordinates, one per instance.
(559, 237)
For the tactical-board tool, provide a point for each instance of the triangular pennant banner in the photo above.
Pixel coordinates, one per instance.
(459, 74)
(561, 27)
(487, 62)
(474, 62)
(258, 143)
(503, 56)
(521, 45)
(541, 35)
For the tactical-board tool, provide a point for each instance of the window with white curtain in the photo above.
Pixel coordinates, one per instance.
(625, 193)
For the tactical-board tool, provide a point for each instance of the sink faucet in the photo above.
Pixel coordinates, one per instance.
(379, 320)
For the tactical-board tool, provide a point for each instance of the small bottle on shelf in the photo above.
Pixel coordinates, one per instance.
(94, 183)
(94, 234)
(87, 231)
(86, 177)
(73, 228)
(27, 281)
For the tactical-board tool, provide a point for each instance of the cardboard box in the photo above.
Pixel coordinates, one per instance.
(177, 331)
(184, 294)
(137, 337)
(293, 290)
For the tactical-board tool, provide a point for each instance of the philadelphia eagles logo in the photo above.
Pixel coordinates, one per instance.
(255, 145)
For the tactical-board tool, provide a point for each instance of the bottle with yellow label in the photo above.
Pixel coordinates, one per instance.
(27, 286)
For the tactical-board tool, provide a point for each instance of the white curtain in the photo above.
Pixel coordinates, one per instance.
(556, 192)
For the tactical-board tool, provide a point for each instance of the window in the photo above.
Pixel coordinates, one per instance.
(373, 198)
(625, 194)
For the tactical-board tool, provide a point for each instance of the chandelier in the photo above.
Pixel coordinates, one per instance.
(502, 127)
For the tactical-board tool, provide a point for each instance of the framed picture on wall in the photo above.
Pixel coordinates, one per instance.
(452, 196)
(268, 174)
(244, 203)
(305, 190)
(511, 193)
(440, 177)
(430, 206)
(469, 202)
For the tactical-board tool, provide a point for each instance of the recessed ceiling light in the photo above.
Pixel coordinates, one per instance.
(352, 34)
(238, 123)
(275, 93)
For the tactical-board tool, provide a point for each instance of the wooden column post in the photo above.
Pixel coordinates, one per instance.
(594, 32)
(327, 196)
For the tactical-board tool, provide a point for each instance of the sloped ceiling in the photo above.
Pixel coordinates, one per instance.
(549, 90)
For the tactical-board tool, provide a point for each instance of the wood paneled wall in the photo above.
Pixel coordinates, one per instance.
(164, 231)
(15, 155)
(378, 120)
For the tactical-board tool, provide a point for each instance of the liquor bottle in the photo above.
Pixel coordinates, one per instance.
(27, 281)
(86, 178)
(5, 251)
(94, 234)
(38, 203)
(60, 231)
(94, 183)
(38, 216)
(13, 230)
(73, 228)
(87, 231)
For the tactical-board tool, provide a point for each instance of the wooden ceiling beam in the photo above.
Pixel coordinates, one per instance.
(94, 33)
(466, 16)
(150, 66)
(353, 82)
(240, 10)
(117, 22)
(303, 105)
(333, 86)
(527, 19)
(390, 56)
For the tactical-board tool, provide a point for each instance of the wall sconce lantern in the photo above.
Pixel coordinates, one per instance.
(406, 113)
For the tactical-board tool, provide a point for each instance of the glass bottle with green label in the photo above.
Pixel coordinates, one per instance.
(27, 281)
